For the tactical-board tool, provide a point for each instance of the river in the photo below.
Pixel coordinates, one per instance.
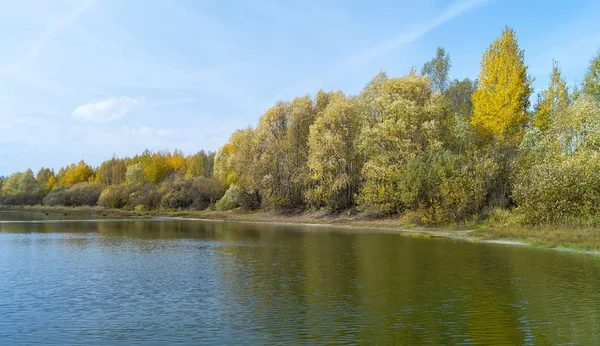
(123, 282)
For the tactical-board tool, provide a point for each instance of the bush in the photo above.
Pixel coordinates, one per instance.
(116, 196)
(81, 194)
(195, 193)
(25, 198)
(147, 197)
(236, 197)
(447, 187)
(565, 190)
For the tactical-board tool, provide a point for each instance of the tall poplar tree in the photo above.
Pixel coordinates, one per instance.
(501, 99)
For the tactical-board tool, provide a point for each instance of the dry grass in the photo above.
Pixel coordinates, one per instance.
(581, 238)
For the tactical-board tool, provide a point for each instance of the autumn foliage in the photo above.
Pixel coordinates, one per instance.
(420, 146)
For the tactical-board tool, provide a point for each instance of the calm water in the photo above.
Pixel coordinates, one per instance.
(187, 282)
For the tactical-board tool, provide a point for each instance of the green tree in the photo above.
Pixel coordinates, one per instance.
(136, 174)
(552, 101)
(591, 82)
(406, 119)
(459, 99)
(501, 99)
(45, 176)
(437, 70)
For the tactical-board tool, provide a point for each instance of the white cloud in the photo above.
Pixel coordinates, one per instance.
(107, 110)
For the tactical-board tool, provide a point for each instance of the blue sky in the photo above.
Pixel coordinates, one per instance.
(89, 79)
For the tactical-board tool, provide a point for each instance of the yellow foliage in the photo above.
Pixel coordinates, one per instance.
(501, 99)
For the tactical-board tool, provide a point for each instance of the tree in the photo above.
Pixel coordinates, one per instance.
(501, 99)
(22, 188)
(459, 97)
(176, 161)
(437, 70)
(282, 151)
(45, 177)
(111, 172)
(552, 101)
(404, 120)
(591, 82)
(333, 159)
(136, 174)
(459, 100)
(73, 174)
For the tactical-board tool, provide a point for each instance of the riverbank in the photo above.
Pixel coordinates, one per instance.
(492, 230)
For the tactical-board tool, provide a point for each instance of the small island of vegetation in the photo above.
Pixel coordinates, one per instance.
(417, 150)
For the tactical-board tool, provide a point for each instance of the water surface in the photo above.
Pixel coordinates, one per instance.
(122, 282)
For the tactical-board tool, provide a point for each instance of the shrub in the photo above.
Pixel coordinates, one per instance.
(236, 197)
(81, 194)
(116, 196)
(195, 193)
(564, 190)
(447, 187)
(24, 198)
(146, 197)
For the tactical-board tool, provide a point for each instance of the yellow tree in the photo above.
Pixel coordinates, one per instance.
(333, 160)
(552, 101)
(176, 161)
(74, 174)
(501, 99)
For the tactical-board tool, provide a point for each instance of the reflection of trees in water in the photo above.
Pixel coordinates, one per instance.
(304, 283)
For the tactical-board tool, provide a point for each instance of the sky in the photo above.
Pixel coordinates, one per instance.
(89, 79)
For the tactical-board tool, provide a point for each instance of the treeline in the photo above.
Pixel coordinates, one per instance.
(421, 146)
(145, 182)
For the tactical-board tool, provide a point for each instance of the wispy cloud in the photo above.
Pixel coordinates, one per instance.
(36, 47)
(388, 46)
(391, 44)
(107, 110)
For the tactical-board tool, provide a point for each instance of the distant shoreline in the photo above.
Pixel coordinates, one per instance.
(562, 238)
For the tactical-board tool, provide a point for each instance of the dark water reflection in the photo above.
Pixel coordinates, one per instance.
(190, 282)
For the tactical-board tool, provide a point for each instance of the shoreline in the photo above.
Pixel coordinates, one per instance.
(559, 238)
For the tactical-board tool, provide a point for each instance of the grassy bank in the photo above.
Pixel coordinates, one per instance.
(506, 228)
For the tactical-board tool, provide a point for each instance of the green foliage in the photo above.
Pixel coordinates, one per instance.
(116, 196)
(404, 119)
(559, 181)
(445, 186)
(236, 197)
(22, 188)
(437, 70)
(591, 82)
(563, 191)
(135, 174)
(552, 101)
